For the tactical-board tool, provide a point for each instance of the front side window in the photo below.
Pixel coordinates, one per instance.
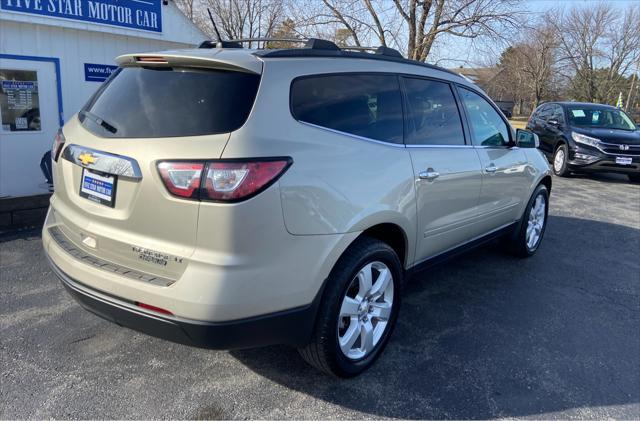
(487, 127)
(433, 116)
(360, 104)
(164, 102)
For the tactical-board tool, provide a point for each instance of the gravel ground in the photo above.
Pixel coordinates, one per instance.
(482, 336)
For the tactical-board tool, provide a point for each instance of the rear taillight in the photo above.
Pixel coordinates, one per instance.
(221, 180)
(182, 178)
(233, 181)
(58, 144)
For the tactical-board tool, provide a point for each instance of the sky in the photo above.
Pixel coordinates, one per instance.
(463, 52)
(543, 5)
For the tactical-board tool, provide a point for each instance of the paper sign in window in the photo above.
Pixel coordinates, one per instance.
(19, 100)
(578, 113)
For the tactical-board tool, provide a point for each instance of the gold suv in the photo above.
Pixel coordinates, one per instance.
(227, 198)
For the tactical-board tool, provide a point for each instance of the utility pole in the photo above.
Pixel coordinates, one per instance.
(633, 82)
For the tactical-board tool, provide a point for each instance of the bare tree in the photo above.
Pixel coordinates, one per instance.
(598, 46)
(236, 18)
(346, 22)
(527, 70)
(414, 25)
(509, 83)
(285, 29)
(429, 19)
(538, 58)
(188, 7)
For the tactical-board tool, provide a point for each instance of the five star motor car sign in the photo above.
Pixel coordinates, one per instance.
(145, 15)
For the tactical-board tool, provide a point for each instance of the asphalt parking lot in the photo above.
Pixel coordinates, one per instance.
(483, 336)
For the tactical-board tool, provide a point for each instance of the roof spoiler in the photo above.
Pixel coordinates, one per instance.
(186, 59)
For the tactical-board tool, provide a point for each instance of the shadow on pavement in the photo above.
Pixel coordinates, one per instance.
(488, 335)
(603, 177)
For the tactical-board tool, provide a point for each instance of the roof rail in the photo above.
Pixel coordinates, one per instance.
(267, 39)
(381, 50)
(321, 44)
(219, 44)
(316, 47)
(386, 51)
(311, 43)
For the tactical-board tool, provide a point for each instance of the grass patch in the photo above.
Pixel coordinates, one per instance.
(518, 124)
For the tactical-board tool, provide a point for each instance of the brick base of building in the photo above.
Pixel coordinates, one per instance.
(23, 212)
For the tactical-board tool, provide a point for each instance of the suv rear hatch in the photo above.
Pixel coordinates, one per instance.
(110, 198)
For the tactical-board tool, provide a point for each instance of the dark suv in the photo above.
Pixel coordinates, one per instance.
(587, 137)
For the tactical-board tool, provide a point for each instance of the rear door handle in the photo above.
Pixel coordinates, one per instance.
(491, 169)
(429, 174)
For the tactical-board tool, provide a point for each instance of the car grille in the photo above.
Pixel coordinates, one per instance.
(68, 246)
(614, 149)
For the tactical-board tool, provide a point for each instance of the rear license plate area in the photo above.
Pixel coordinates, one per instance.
(98, 187)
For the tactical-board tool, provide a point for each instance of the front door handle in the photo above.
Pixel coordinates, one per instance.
(491, 169)
(429, 175)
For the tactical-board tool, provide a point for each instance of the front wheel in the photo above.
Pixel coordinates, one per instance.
(526, 238)
(358, 311)
(560, 158)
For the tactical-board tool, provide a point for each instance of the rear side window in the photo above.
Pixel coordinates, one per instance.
(487, 127)
(433, 117)
(557, 114)
(165, 102)
(544, 112)
(361, 104)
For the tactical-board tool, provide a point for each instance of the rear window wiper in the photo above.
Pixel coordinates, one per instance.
(100, 122)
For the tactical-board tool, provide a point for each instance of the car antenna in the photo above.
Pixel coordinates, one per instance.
(215, 28)
(219, 42)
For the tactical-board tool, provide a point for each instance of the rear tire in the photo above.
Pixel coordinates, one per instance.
(635, 178)
(560, 158)
(354, 323)
(528, 234)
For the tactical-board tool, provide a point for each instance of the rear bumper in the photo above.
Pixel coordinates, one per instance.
(290, 327)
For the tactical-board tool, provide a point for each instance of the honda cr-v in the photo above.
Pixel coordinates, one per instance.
(585, 137)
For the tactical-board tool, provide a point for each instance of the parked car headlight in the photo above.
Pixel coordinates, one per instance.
(585, 140)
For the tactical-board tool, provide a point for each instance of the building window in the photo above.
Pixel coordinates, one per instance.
(19, 100)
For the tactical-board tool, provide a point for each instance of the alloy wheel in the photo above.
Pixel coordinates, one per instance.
(558, 160)
(365, 310)
(535, 225)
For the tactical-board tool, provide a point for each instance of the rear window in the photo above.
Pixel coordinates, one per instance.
(364, 105)
(165, 102)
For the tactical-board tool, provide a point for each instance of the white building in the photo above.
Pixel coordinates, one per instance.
(53, 55)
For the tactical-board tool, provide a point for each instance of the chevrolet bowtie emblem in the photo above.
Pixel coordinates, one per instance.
(87, 158)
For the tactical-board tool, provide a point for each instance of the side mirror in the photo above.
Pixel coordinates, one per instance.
(527, 139)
